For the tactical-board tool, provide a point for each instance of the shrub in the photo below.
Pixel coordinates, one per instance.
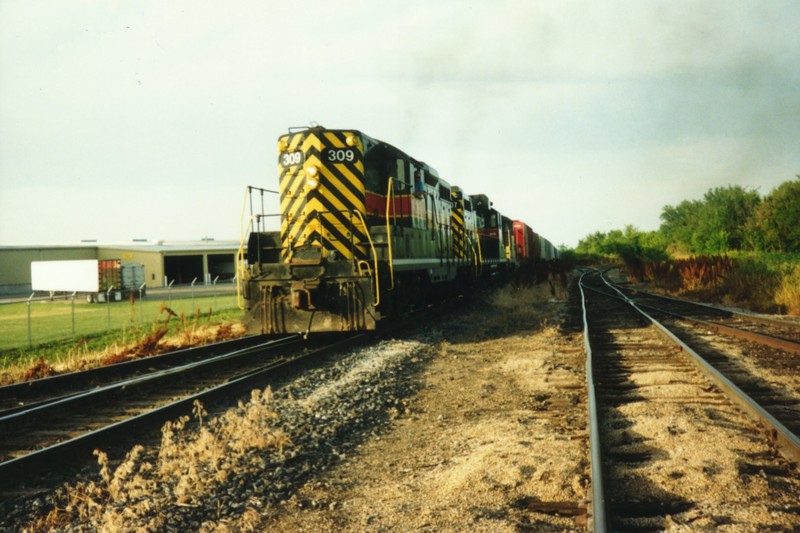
(751, 284)
(787, 296)
(761, 282)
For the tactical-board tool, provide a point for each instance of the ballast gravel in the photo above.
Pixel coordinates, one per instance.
(318, 418)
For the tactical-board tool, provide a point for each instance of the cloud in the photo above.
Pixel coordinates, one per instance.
(519, 100)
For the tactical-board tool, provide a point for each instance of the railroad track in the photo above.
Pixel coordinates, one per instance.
(49, 424)
(25, 395)
(764, 365)
(42, 432)
(772, 331)
(664, 422)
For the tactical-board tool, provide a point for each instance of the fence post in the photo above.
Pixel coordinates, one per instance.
(193, 282)
(141, 303)
(214, 283)
(108, 305)
(73, 312)
(30, 339)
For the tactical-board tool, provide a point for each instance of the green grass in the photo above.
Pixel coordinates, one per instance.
(775, 260)
(51, 322)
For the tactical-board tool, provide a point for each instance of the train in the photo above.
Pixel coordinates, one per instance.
(367, 233)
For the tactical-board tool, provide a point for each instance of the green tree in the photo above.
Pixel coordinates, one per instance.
(592, 245)
(680, 223)
(629, 244)
(718, 223)
(724, 219)
(777, 219)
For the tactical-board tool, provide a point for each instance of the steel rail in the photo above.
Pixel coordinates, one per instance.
(68, 379)
(598, 520)
(58, 406)
(747, 316)
(761, 338)
(732, 312)
(57, 456)
(787, 442)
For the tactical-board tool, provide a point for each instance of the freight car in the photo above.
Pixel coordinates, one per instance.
(530, 246)
(366, 232)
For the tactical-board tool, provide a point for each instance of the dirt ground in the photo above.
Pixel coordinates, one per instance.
(495, 440)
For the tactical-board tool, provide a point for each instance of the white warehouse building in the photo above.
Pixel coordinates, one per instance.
(164, 262)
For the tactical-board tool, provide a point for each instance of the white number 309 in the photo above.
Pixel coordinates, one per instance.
(341, 155)
(292, 158)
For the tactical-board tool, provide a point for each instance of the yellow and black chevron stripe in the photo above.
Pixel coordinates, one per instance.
(459, 228)
(324, 215)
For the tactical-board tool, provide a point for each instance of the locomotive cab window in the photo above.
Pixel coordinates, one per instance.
(417, 178)
(378, 165)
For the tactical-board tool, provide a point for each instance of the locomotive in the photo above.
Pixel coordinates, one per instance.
(367, 232)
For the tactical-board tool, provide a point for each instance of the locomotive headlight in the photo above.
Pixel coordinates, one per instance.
(312, 176)
(281, 146)
(351, 140)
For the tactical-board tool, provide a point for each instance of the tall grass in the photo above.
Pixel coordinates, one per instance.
(760, 282)
(787, 296)
(690, 274)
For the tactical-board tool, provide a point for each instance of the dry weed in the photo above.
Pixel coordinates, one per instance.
(524, 303)
(41, 369)
(787, 296)
(513, 298)
(189, 467)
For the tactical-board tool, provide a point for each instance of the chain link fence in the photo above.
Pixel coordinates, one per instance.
(44, 318)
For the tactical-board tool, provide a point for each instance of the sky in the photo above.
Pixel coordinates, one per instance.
(146, 119)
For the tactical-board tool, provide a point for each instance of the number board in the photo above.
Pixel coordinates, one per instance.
(288, 159)
(340, 155)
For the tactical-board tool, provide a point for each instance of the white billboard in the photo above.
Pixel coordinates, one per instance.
(79, 275)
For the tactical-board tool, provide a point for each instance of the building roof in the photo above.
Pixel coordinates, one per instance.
(209, 245)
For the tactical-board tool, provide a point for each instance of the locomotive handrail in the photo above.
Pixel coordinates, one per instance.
(389, 233)
(437, 228)
(374, 257)
(244, 230)
(475, 251)
(240, 268)
(249, 194)
(480, 255)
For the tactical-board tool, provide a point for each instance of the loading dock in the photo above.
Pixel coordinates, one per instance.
(182, 269)
(177, 262)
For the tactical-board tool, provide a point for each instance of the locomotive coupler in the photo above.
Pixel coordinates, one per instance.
(301, 296)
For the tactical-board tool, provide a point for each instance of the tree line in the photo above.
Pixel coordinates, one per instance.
(727, 219)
